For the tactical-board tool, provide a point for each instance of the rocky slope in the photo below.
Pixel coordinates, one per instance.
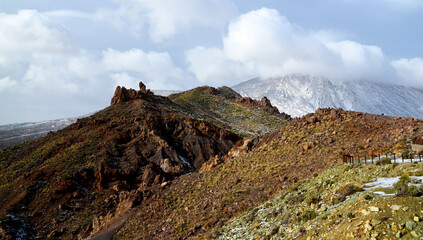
(151, 167)
(337, 204)
(226, 108)
(75, 182)
(194, 206)
(298, 95)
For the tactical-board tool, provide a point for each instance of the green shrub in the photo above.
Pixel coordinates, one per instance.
(404, 178)
(348, 189)
(414, 191)
(406, 154)
(308, 215)
(383, 161)
(295, 199)
(312, 199)
(401, 187)
(368, 197)
(345, 190)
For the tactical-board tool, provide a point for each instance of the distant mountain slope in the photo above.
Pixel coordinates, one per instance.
(227, 109)
(164, 93)
(298, 95)
(13, 134)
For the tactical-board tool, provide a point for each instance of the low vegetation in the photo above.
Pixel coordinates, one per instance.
(219, 107)
(363, 213)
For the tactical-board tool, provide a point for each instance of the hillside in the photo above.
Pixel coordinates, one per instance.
(338, 204)
(152, 167)
(299, 94)
(226, 108)
(194, 205)
(104, 164)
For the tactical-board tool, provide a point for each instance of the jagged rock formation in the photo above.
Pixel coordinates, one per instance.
(264, 103)
(123, 95)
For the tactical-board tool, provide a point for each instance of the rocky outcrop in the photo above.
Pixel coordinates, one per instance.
(123, 95)
(264, 103)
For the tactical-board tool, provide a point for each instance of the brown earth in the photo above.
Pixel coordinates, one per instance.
(194, 205)
(143, 155)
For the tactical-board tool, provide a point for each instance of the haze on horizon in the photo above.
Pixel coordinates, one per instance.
(64, 58)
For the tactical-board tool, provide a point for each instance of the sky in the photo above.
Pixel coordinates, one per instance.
(65, 58)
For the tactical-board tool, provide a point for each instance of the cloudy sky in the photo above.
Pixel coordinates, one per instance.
(64, 58)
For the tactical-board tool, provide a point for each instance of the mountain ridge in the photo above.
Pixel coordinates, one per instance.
(300, 94)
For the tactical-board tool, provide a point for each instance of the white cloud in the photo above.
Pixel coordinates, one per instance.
(359, 61)
(211, 66)
(165, 18)
(123, 79)
(156, 69)
(264, 43)
(29, 31)
(6, 83)
(47, 76)
(410, 70)
(68, 13)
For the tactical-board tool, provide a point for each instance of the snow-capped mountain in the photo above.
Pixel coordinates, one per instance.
(13, 134)
(164, 93)
(298, 95)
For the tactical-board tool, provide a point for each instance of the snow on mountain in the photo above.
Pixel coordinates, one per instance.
(299, 94)
(165, 93)
(16, 133)
(13, 134)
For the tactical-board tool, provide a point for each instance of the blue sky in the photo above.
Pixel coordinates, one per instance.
(64, 58)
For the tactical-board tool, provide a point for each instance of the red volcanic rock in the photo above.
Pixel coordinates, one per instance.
(246, 101)
(264, 103)
(122, 94)
(312, 119)
(65, 186)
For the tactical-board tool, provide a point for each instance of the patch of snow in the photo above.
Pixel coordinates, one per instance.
(384, 194)
(381, 183)
(388, 183)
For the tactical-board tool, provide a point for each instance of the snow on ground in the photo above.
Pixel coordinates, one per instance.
(381, 183)
(388, 183)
